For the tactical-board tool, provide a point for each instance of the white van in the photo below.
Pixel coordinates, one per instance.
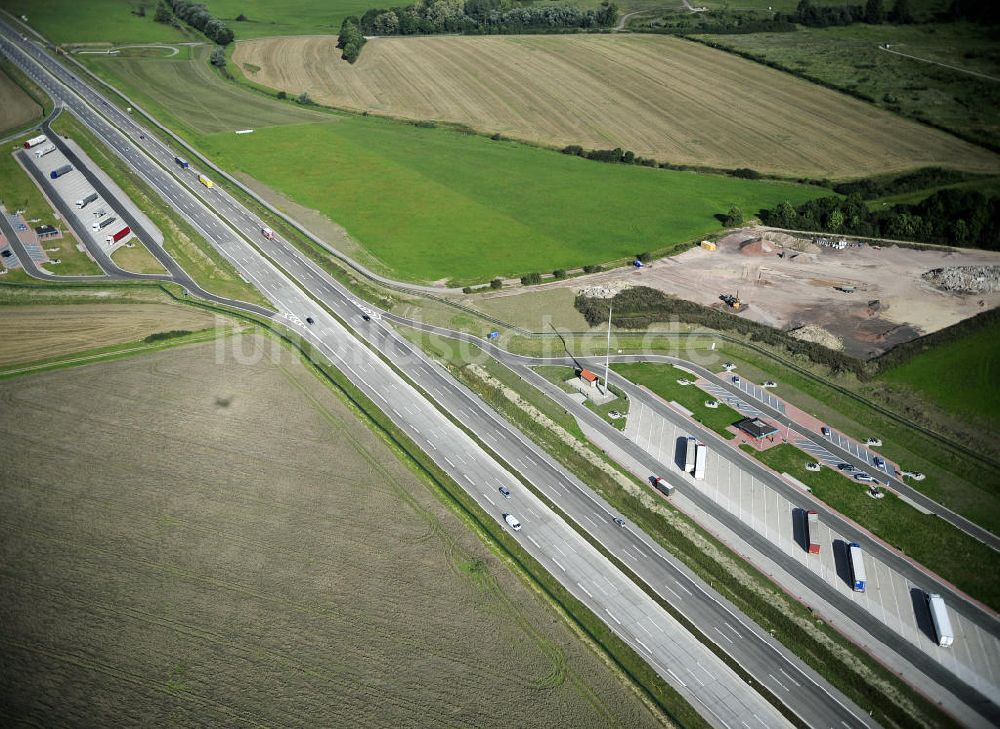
(512, 522)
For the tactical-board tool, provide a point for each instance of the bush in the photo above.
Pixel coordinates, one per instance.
(195, 15)
(241, 18)
(496, 284)
(282, 95)
(218, 58)
(593, 269)
(531, 279)
(466, 289)
(746, 173)
(350, 40)
(574, 149)
(734, 218)
(163, 14)
(559, 273)
(303, 98)
(645, 257)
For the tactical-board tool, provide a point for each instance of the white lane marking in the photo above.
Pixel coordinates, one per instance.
(629, 554)
(612, 616)
(587, 517)
(677, 678)
(667, 587)
(449, 461)
(645, 629)
(466, 477)
(532, 540)
(707, 672)
(682, 586)
(789, 677)
(646, 647)
(488, 499)
(558, 565)
(732, 629)
(771, 676)
(584, 589)
(724, 635)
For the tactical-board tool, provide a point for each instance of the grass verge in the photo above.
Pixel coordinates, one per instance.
(558, 377)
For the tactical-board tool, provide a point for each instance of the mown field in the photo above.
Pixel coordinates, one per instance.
(305, 578)
(71, 21)
(661, 97)
(16, 107)
(33, 333)
(960, 377)
(850, 58)
(187, 94)
(432, 204)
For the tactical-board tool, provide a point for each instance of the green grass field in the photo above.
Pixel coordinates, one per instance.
(185, 93)
(662, 380)
(960, 377)
(432, 204)
(849, 58)
(93, 21)
(934, 543)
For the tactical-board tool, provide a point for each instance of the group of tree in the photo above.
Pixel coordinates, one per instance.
(481, 16)
(948, 217)
(350, 39)
(616, 155)
(872, 11)
(197, 16)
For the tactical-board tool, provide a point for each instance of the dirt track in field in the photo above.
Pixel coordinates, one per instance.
(660, 97)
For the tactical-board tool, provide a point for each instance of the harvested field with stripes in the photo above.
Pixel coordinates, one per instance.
(661, 97)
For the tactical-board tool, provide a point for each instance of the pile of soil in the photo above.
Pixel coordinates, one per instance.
(758, 247)
(965, 279)
(819, 335)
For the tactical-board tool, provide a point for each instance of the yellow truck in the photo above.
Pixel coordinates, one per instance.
(205, 181)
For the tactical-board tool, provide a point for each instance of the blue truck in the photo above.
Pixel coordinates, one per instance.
(60, 171)
(182, 162)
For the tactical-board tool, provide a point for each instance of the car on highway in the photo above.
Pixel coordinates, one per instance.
(512, 522)
(879, 463)
(619, 521)
(505, 492)
(863, 476)
(309, 320)
(825, 431)
(366, 317)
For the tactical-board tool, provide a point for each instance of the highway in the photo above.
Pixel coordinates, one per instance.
(683, 662)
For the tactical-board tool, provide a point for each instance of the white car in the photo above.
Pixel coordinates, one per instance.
(770, 383)
(712, 404)
(862, 476)
(512, 522)
(812, 466)
(873, 442)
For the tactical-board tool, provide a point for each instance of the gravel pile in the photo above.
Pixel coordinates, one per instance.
(965, 279)
(607, 291)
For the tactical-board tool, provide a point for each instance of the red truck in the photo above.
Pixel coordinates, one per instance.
(812, 531)
(114, 238)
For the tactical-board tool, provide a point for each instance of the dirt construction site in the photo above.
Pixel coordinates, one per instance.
(861, 298)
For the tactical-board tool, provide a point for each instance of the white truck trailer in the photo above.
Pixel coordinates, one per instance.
(858, 577)
(700, 461)
(942, 623)
(689, 448)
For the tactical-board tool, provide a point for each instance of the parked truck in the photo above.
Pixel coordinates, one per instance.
(101, 224)
(35, 141)
(183, 163)
(205, 181)
(662, 486)
(700, 461)
(942, 624)
(60, 171)
(689, 452)
(115, 237)
(45, 150)
(86, 200)
(857, 567)
(812, 531)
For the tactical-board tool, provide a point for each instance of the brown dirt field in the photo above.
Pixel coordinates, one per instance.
(798, 290)
(31, 333)
(660, 97)
(16, 107)
(171, 554)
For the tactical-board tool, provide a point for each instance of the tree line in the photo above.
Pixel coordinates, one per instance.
(350, 39)
(482, 17)
(197, 16)
(947, 217)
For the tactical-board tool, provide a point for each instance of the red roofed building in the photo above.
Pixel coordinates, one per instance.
(589, 377)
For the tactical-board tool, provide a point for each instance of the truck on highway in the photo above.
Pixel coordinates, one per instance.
(700, 461)
(60, 171)
(689, 449)
(35, 141)
(45, 150)
(115, 237)
(267, 233)
(100, 224)
(812, 531)
(942, 624)
(205, 181)
(86, 200)
(662, 486)
(183, 163)
(857, 567)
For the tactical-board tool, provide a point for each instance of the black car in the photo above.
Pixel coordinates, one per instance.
(845, 467)
(366, 317)
(6, 254)
(309, 320)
